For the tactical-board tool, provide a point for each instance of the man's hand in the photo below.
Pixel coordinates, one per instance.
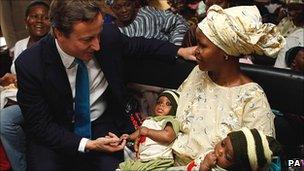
(109, 143)
(187, 53)
(8, 79)
(208, 162)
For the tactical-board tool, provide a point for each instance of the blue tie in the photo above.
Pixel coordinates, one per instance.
(82, 102)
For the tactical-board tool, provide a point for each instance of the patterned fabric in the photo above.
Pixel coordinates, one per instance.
(207, 112)
(286, 26)
(159, 24)
(239, 31)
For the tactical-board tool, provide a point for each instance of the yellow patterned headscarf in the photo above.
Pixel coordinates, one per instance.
(239, 31)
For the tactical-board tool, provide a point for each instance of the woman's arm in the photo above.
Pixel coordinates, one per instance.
(257, 114)
(165, 136)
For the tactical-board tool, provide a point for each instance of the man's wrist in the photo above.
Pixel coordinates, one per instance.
(179, 52)
(82, 145)
(90, 146)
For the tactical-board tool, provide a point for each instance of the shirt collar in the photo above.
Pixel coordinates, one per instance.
(67, 60)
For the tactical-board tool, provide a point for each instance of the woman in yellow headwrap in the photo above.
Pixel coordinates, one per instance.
(217, 97)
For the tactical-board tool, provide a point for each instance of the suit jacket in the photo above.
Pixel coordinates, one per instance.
(45, 96)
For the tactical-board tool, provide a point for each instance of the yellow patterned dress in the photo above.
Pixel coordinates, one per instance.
(207, 112)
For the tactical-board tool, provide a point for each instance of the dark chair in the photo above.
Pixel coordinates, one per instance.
(285, 92)
(284, 88)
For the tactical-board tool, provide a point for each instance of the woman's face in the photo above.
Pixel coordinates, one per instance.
(37, 21)
(224, 153)
(209, 57)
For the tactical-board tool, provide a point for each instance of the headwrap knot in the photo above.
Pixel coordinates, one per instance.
(239, 31)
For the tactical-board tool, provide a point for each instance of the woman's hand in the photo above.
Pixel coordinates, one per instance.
(208, 162)
(8, 79)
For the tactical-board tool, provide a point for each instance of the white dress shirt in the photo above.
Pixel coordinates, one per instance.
(98, 85)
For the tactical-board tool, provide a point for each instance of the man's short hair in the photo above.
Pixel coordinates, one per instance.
(64, 13)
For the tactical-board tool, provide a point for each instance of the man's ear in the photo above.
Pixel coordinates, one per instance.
(57, 34)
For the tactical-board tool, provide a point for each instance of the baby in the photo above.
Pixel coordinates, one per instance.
(240, 150)
(294, 58)
(155, 136)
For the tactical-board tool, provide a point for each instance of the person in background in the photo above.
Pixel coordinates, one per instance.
(11, 119)
(155, 136)
(295, 58)
(289, 16)
(158, 4)
(293, 29)
(12, 22)
(73, 99)
(187, 9)
(217, 97)
(148, 22)
(37, 24)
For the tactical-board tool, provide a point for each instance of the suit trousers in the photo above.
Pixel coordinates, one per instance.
(40, 157)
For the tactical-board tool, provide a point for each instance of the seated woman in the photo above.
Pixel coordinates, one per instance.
(12, 135)
(217, 97)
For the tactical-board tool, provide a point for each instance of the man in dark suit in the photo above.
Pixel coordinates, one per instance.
(47, 80)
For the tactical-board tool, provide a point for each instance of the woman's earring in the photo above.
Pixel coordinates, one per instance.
(226, 57)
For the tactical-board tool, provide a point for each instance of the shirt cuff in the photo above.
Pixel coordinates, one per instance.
(82, 144)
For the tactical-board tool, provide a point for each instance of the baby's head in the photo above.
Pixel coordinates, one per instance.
(166, 103)
(294, 58)
(246, 149)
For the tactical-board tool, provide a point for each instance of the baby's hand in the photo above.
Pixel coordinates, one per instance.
(208, 162)
(124, 136)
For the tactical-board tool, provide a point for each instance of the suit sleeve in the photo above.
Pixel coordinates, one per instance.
(39, 124)
(140, 47)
